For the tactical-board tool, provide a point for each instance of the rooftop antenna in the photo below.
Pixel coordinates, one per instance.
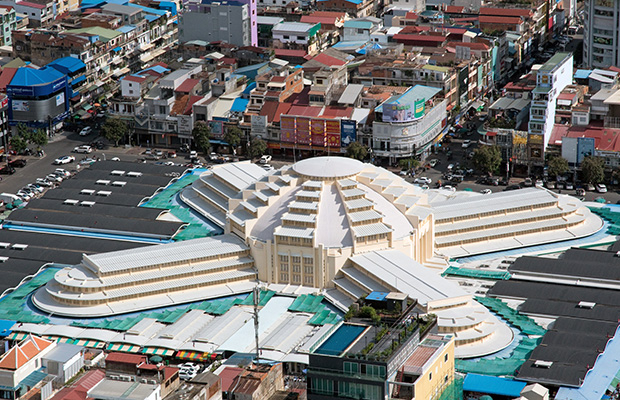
(256, 301)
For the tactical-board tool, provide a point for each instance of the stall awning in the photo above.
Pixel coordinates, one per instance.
(117, 49)
(195, 355)
(127, 348)
(17, 336)
(158, 351)
(79, 79)
(95, 344)
(87, 107)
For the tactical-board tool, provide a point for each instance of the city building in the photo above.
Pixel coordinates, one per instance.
(38, 98)
(551, 78)
(409, 124)
(297, 36)
(417, 368)
(601, 21)
(8, 24)
(227, 21)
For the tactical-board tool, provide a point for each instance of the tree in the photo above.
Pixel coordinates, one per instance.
(487, 159)
(357, 150)
(233, 136)
(18, 144)
(407, 163)
(258, 147)
(24, 131)
(114, 129)
(557, 166)
(201, 133)
(593, 169)
(38, 137)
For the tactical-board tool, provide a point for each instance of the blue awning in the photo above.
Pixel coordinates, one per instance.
(117, 49)
(582, 73)
(239, 105)
(77, 80)
(493, 385)
(215, 141)
(5, 327)
(377, 296)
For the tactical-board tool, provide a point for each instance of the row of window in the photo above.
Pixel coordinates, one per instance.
(353, 390)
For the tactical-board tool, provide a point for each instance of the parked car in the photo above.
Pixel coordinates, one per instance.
(64, 160)
(265, 159)
(512, 187)
(569, 186)
(539, 183)
(486, 191)
(187, 375)
(44, 182)
(34, 187)
(171, 154)
(267, 167)
(589, 187)
(423, 180)
(24, 195)
(18, 163)
(83, 149)
(466, 143)
(7, 170)
(54, 178)
(550, 184)
(86, 131)
(528, 182)
(60, 171)
(601, 188)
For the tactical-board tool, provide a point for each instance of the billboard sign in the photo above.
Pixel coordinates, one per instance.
(348, 132)
(395, 112)
(259, 125)
(287, 129)
(585, 147)
(217, 129)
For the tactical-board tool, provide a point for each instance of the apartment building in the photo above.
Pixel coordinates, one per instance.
(212, 21)
(601, 43)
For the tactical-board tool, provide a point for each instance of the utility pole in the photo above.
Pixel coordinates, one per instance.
(256, 301)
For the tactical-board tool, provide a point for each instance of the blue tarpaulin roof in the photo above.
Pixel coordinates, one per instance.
(239, 105)
(67, 65)
(148, 9)
(30, 77)
(157, 68)
(493, 385)
(377, 296)
(126, 28)
(117, 49)
(582, 73)
(5, 327)
(249, 88)
(79, 79)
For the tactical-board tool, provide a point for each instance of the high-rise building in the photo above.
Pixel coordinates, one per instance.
(601, 41)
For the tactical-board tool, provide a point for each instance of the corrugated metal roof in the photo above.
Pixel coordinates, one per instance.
(372, 229)
(306, 233)
(293, 27)
(166, 253)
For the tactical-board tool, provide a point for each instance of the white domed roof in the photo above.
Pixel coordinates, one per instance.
(328, 167)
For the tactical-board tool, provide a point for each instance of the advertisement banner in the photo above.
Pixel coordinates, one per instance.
(21, 105)
(420, 106)
(60, 99)
(287, 129)
(318, 132)
(585, 147)
(332, 130)
(333, 140)
(303, 130)
(259, 125)
(217, 129)
(348, 132)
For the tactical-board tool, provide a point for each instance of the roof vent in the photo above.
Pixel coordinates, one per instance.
(18, 246)
(4, 245)
(71, 202)
(87, 203)
(617, 254)
(3, 259)
(117, 172)
(103, 182)
(543, 364)
(89, 192)
(119, 183)
(134, 174)
(586, 304)
(105, 193)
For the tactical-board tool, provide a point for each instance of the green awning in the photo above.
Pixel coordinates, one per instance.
(87, 107)
(17, 336)
(79, 113)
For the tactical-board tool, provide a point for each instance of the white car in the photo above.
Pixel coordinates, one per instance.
(64, 160)
(54, 178)
(83, 149)
(466, 144)
(267, 167)
(601, 188)
(86, 131)
(60, 171)
(44, 182)
(486, 191)
(115, 159)
(265, 159)
(423, 180)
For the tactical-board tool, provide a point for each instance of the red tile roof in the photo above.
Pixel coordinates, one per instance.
(328, 60)
(506, 12)
(473, 46)
(187, 85)
(420, 38)
(29, 4)
(414, 29)
(331, 14)
(20, 354)
(411, 15)
(135, 78)
(607, 139)
(337, 112)
(311, 19)
(454, 9)
(566, 96)
(80, 390)
(228, 376)
(6, 77)
(486, 19)
(305, 111)
(126, 358)
(278, 79)
(419, 357)
(290, 53)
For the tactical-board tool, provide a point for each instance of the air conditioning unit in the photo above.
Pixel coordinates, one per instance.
(153, 382)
